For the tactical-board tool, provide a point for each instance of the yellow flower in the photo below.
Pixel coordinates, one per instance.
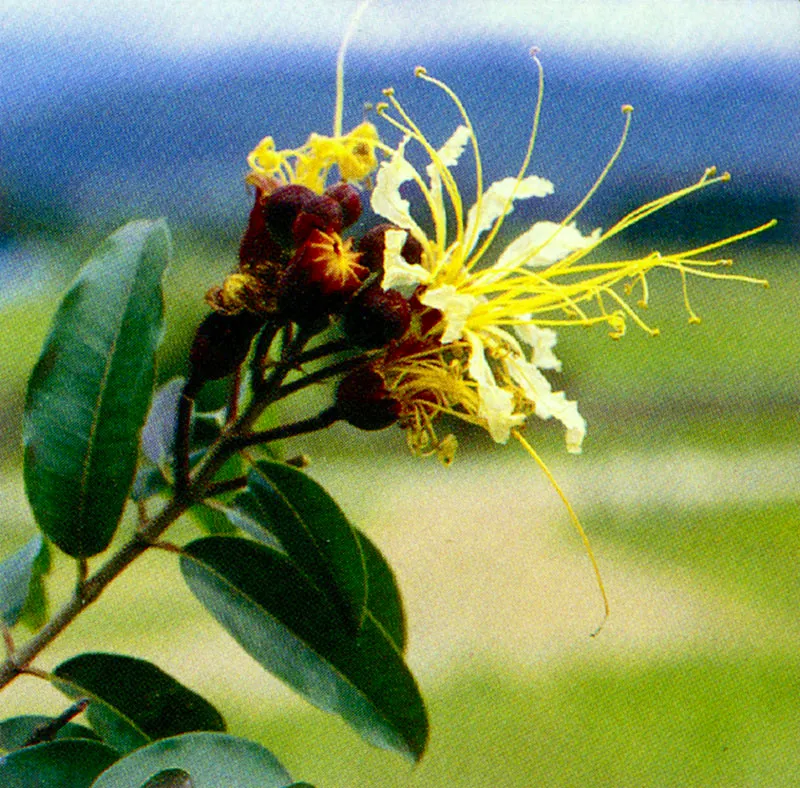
(500, 307)
(310, 165)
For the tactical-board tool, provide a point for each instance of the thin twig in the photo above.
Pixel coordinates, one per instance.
(320, 375)
(325, 349)
(183, 430)
(313, 424)
(8, 640)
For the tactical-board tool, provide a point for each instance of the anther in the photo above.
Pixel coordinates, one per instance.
(627, 109)
(420, 71)
(388, 92)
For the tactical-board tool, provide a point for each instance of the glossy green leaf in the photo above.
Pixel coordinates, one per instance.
(255, 512)
(170, 778)
(16, 576)
(133, 701)
(35, 611)
(383, 596)
(68, 763)
(158, 433)
(214, 760)
(90, 390)
(16, 732)
(212, 519)
(291, 628)
(312, 530)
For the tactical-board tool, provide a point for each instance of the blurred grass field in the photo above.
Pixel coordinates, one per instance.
(689, 488)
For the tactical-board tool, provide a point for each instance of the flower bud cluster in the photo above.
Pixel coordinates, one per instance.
(295, 266)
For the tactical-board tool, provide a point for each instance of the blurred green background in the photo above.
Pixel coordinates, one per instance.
(688, 486)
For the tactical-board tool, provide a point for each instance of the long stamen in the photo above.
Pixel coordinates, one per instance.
(444, 173)
(338, 111)
(575, 521)
(526, 160)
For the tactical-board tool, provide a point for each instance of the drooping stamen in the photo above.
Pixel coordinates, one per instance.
(576, 523)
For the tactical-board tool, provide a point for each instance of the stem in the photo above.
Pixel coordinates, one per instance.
(313, 424)
(183, 431)
(190, 486)
(322, 374)
(229, 485)
(325, 349)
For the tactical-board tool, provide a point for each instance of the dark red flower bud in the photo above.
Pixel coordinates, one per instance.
(293, 211)
(320, 278)
(349, 199)
(372, 245)
(257, 244)
(363, 400)
(221, 343)
(375, 317)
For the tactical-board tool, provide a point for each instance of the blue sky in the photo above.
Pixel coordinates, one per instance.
(150, 107)
(652, 29)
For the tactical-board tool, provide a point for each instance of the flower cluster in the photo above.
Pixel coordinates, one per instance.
(457, 327)
(483, 322)
(437, 322)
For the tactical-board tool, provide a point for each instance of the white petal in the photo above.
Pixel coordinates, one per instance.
(386, 200)
(495, 405)
(542, 341)
(479, 369)
(495, 199)
(548, 403)
(543, 244)
(398, 273)
(497, 408)
(451, 151)
(447, 156)
(456, 308)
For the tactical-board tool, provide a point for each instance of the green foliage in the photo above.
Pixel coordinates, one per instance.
(16, 732)
(90, 390)
(313, 531)
(290, 627)
(21, 587)
(133, 702)
(211, 760)
(70, 762)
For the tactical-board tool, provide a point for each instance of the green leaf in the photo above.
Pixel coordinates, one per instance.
(15, 732)
(291, 628)
(158, 433)
(211, 518)
(35, 611)
(241, 521)
(383, 598)
(312, 530)
(170, 778)
(132, 700)
(68, 763)
(214, 760)
(16, 576)
(90, 390)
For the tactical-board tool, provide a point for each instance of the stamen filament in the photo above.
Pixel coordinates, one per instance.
(575, 521)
